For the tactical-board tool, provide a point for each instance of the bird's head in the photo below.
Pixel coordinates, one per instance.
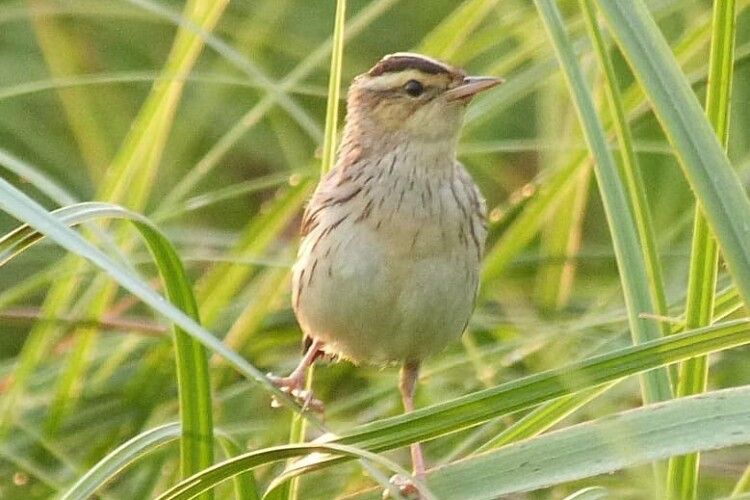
(413, 96)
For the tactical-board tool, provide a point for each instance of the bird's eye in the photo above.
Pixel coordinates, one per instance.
(414, 88)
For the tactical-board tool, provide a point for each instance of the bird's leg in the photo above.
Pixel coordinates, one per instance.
(295, 382)
(408, 385)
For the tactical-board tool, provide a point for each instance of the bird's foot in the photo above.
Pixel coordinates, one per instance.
(294, 385)
(405, 486)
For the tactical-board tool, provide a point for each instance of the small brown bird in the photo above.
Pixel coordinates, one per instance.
(393, 236)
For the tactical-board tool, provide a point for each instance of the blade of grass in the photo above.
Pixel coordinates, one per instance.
(561, 235)
(155, 116)
(298, 427)
(334, 88)
(235, 58)
(682, 478)
(546, 197)
(245, 487)
(742, 486)
(716, 420)
(209, 478)
(630, 170)
(414, 426)
(269, 289)
(118, 459)
(114, 77)
(655, 386)
(196, 444)
(590, 493)
(469, 410)
(18, 205)
(137, 158)
(705, 165)
(543, 417)
(37, 178)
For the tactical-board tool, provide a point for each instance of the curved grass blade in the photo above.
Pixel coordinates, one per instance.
(125, 455)
(245, 487)
(591, 493)
(117, 460)
(18, 205)
(196, 445)
(130, 176)
(209, 478)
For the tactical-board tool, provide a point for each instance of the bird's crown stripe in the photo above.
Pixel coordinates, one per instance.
(404, 61)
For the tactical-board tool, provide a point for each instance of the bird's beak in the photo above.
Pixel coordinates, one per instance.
(471, 86)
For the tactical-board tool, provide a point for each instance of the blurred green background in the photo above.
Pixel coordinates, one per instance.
(227, 180)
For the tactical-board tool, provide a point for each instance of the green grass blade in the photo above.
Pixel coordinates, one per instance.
(232, 56)
(218, 286)
(36, 176)
(131, 173)
(298, 427)
(543, 417)
(547, 196)
(334, 87)
(108, 467)
(682, 478)
(716, 420)
(590, 493)
(705, 165)
(221, 472)
(23, 208)
(139, 155)
(245, 487)
(65, 53)
(742, 486)
(631, 171)
(196, 445)
(470, 410)
(526, 224)
(655, 386)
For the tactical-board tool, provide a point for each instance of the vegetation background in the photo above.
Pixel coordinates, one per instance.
(209, 118)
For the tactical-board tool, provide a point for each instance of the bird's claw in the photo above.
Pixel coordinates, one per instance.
(295, 387)
(406, 488)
